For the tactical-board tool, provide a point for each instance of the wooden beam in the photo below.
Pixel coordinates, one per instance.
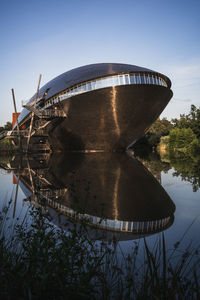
(32, 116)
(15, 108)
(16, 195)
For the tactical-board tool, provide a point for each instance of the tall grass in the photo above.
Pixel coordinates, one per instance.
(40, 261)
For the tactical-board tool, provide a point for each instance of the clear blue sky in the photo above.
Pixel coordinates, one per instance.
(51, 37)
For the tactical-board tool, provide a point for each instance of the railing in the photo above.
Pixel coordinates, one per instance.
(25, 102)
(53, 193)
(21, 133)
(3, 135)
(14, 133)
(48, 113)
(39, 132)
(53, 113)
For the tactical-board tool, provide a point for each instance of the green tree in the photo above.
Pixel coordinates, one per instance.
(160, 127)
(181, 138)
(192, 120)
(8, 126)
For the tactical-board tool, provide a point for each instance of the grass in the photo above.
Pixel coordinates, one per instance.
(40, 261)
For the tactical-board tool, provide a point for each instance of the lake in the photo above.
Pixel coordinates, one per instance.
(120, 196)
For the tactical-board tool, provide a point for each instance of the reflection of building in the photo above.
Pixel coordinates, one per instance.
(155, 173)
(108, 107)
(155, 166)
(118, 195)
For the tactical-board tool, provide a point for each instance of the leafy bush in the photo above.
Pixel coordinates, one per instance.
(180, 138)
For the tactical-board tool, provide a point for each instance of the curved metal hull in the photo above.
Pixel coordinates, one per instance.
(109, 119)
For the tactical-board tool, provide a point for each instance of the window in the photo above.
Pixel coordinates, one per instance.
(99, 84)
(151, 79)
(137, 79)
(121, 79)
(132, 79)
(126, 79)
(148, 79)
(115, 80)
(79, 88)
(124, 225)
(142, 78)
(104, 82)
(89, 86)
(110, 81)
(93, 84)
(129, 226)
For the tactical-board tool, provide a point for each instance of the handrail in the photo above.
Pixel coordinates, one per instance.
(50, 113)
(24, 133)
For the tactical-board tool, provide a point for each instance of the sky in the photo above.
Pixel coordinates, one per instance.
(52, 37)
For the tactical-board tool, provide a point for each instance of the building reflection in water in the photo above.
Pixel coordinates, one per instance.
(111, 191)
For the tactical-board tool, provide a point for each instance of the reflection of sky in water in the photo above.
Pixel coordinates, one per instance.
(7, 193)
(181, 192)
(187, 212)
(187, 206)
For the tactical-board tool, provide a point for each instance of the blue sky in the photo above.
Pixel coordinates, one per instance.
(51, 37)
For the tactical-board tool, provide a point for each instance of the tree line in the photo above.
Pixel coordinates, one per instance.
(180, 135)
(7, 126)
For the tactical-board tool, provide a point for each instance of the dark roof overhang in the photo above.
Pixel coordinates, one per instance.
(86, 73)
(89, 72)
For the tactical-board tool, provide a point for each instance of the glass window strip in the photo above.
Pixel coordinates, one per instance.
(121, 79)
(139, 78)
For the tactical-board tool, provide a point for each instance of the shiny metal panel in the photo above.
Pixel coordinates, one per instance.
(89, 72)
(109, 119)
(85, 73)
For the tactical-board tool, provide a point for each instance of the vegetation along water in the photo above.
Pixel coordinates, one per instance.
(47, 255)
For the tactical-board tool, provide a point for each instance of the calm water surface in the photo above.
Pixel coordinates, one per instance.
(119, 195)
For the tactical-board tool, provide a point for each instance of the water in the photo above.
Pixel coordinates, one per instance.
(119, 195)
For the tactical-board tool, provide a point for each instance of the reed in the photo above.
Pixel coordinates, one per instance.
(40, 261)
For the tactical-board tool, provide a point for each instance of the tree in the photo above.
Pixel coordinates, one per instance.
(8, 126)
(158, 128)
(181, 138)
(192, 120)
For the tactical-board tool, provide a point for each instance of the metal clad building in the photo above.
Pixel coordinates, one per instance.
(108, 106)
